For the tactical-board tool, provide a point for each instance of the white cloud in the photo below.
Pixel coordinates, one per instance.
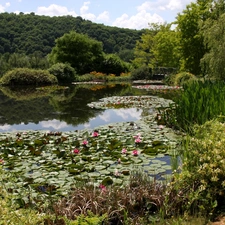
(56, 124)
(106, 116)
(125, 113)
(162, 5)
(138, 21)
(3, 7)
(55, 10)
(87, 125)
(104, 17)
(5, 127)
(84, 8)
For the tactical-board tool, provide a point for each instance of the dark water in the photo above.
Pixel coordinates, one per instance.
(65, 110)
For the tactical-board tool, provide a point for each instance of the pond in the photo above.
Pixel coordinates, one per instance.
(90, 133)
(64, 110)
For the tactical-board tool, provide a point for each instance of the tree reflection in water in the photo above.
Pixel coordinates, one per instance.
(64, 110)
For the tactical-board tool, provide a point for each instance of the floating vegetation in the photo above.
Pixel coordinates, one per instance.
(118, 102)
(52, 162)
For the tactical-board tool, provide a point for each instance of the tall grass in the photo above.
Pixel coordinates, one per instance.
(200, 101)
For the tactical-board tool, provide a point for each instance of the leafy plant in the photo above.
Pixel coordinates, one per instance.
(199, 102)
(203, 168)
(64, 72)
(181, 78)
(143, 72)
(25, 76)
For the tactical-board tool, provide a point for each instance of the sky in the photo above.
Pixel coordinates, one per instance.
(133, 14)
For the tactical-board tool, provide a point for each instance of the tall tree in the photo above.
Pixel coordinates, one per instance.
(143, 50)
(191, 39)
(214, 38)
(81, 52)
(166, 47)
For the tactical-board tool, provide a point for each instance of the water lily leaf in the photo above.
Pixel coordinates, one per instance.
(107, 181)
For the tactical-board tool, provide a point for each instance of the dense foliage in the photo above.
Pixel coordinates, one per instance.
(81, 52)
(63, 72)
(24, 76)
(30, 33)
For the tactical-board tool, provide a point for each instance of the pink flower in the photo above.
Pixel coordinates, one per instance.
(137, 140)
(124, 151)
(102, 187)
(85, 142)
(119, 161)
(95, 134)
(135, 152)
(1, 161)
(138, 136)
(76, 151)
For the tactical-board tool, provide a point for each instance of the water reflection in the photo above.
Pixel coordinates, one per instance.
(63, 111)
(106, 117)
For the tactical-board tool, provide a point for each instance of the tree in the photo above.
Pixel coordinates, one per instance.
(159, 47)
(143, 50)
(81, 52)
(166, 48)
(214, 60)
(114, 65)
(191, 38)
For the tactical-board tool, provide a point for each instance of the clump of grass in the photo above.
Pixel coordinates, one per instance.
(131, 202)
(199, 102)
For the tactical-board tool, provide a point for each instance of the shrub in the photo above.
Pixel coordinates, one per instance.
(64, 72)
(183, 77)
(25, 76)
(203, 168)
(112, 64)
(141, 73)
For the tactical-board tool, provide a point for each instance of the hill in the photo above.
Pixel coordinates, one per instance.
(30, 33)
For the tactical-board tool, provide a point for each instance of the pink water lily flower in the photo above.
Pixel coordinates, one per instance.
(95, 134)
(76, 151)
(135, 152)
(124, 151)
(137, 140)
(85, 142)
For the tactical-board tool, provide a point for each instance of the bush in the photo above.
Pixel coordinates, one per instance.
(181, 78)
(64, 72)
(25, 76)
(203, 168)
(112, 64)
(141, 73)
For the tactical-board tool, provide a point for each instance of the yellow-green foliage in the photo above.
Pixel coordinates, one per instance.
(204, 165)
(11, 216)
(182, 78)
(25, 76)
(90, 219)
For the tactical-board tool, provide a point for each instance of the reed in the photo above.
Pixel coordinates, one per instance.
(200, 101)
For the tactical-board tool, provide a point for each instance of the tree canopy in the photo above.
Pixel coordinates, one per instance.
(84, 54)
(29, 33)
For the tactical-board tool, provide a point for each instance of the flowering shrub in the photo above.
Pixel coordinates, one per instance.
(204, 165)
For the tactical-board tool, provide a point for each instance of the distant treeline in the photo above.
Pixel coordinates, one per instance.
(30, 33)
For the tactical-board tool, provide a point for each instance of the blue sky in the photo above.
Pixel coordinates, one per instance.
(134, 14)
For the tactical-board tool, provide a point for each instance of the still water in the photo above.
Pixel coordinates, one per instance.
(63, 110)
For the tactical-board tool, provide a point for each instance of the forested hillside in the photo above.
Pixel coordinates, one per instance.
(29, 33)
